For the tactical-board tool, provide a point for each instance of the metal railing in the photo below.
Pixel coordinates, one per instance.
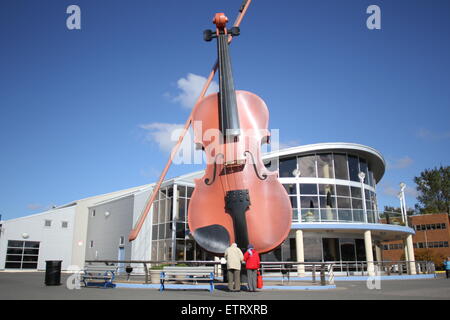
(348, 215)
(319, 273)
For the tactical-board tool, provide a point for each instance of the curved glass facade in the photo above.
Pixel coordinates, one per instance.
(327, 187)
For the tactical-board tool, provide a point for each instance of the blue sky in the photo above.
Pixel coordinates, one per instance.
(83, 112)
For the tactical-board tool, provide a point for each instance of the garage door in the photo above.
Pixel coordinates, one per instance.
(22, 254)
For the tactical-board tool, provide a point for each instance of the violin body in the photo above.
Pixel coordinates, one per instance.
(269, 214)
(238, 200)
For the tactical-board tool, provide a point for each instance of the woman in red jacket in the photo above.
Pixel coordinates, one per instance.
(252, 264)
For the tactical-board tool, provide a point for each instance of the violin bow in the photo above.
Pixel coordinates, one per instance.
(138, 226)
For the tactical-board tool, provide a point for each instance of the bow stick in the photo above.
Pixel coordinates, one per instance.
(138, 226)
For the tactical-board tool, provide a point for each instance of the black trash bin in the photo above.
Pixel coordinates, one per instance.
(53, 273)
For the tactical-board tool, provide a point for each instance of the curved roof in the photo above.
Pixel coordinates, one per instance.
(373, 156)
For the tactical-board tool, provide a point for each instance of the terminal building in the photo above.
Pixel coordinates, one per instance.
(332, 188)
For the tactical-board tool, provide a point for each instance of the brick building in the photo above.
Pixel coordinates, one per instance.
(431, 241)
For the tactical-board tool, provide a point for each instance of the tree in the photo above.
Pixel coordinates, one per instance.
(434, 190)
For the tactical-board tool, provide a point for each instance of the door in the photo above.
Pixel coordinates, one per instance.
(121, 257)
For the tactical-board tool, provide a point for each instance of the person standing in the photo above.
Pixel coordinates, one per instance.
(234, 258)
(252, 264)
(447, 267)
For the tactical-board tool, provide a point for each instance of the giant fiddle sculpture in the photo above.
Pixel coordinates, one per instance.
(238, 199)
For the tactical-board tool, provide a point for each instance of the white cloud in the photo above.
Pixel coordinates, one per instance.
(190, 89)
(426, 134)
(164, 134)
(399, 163)
(393, 192)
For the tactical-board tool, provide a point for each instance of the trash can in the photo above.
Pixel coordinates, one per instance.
(53, 272)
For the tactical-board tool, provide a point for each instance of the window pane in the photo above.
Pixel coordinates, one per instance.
(324, 189)
(11, 257)
(31, 251)
(180, 231)
(331, 249)
(30, 258)
(181, 191)
(325, 166)
(189, 250)
(181, 209)
(291, 188)
(343, 190)
(287, 166)
(179, 250)
(328, 214)
(155, 232)
(327, 202)
(14, 251)
(15, 244)
(13, 265)
(363, 168)
(340, 166)
(309, 202)
(307, 166)
(155, 212)
(343, 203)
(356, 192)
(32, 244)
(189, 191)
(29, 266)
(306, 188)
(353, 167)
(293, 202)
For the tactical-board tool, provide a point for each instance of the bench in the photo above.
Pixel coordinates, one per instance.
(187, 274)
(99, 276)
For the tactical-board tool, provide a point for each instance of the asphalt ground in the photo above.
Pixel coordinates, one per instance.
(31, 286)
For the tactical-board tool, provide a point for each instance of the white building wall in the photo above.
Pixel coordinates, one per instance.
(141, 246)
(55, 241)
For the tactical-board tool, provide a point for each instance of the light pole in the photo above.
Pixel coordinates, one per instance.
(403, 202)
(361, 176)
(399, 196)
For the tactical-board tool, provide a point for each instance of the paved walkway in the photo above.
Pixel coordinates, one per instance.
(31, 286)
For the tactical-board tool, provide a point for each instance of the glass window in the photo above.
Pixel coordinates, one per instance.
(353, 167)
(287, 166)
(162, 211)
(64, 224)
(181, 191)
(181, 209)
(357, 204)
(155, 212)
(31, 244)
(363, 168)
(293, 202)
(327, 202)
(306, 188)
(331, 249)
(155, 232)
(291, 188)
(309, 202)
(14, 251)
(340, 166)
(307, 166)
(343, 191)
(180, 230)
(312, 249)
(324, 189)
(360, 250)
(48, 223)
(325, 166)
(15, 244)
(190, 250)
(343, 203)
(189, 191)
(356, 192)
(179, 250)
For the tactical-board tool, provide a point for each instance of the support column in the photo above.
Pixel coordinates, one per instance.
(369, 253)
(411, 258)
(378, 252)
(300, 252)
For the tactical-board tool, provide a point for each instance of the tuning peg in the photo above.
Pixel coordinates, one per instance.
(235, 31)
(208, 35)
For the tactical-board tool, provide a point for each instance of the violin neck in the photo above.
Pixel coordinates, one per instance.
(229, 119)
